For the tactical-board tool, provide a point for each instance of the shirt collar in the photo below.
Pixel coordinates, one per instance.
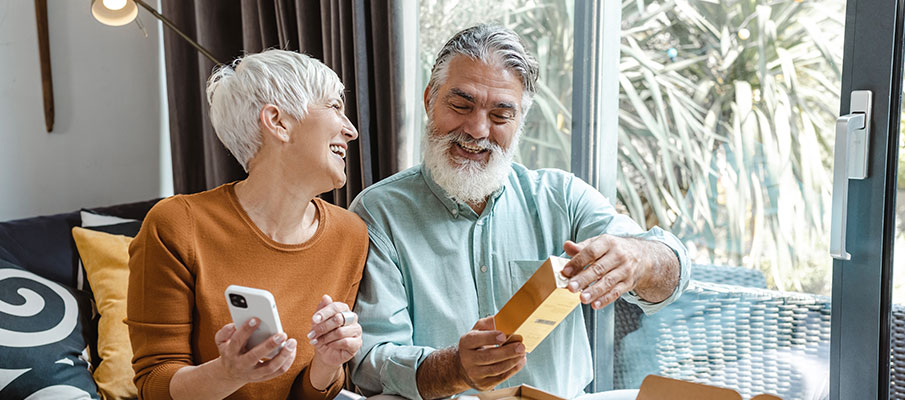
(451, 205)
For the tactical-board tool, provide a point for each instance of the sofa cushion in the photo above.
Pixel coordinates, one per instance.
(104, 223)
(129, 228)
(42, 344)
(106, 260)
(136, 210)
(44, 245)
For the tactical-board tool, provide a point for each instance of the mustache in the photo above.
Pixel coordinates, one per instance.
(456, 137)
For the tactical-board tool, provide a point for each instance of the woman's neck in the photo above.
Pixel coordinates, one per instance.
(281, 209)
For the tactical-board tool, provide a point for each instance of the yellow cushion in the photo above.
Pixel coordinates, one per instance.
(106, 261)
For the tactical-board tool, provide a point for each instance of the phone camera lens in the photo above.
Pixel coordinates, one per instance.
(238, 300)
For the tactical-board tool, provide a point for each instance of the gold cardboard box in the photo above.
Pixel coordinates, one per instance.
(539, 305)
(655, 387)
(518, 392)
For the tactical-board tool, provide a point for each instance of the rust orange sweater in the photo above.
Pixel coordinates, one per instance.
(192, 247)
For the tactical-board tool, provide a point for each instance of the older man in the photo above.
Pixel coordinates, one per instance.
(453, 239)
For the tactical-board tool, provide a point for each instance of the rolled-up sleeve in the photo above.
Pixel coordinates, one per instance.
(592, 215)
(388, 360)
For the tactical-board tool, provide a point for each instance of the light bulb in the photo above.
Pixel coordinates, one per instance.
(114, 4)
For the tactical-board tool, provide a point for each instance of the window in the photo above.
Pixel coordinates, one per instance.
(726, 130)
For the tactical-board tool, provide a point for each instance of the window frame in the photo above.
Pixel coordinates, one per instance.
(595, 117)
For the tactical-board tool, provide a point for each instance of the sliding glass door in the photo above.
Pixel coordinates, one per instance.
(729, 136)
(872, 62)
(726, 138)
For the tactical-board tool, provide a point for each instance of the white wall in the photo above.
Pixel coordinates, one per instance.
(107, 141)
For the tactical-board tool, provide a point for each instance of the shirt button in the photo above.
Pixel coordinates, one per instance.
(483, 268)
(455, 211)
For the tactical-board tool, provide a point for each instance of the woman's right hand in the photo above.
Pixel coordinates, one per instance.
(245, 366)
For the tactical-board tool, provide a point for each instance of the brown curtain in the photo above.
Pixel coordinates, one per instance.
(361, 40)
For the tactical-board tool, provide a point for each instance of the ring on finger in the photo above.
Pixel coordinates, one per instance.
(349, 318)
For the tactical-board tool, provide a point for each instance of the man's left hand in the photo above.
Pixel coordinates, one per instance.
(615, 265)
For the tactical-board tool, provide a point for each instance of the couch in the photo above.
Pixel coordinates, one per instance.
(46, 312)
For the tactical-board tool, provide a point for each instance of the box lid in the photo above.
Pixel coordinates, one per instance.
(656, 387)
(518, 392)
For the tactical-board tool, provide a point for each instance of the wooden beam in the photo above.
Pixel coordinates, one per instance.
(44, 51)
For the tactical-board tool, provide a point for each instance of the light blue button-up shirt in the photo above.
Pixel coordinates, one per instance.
(435, 267)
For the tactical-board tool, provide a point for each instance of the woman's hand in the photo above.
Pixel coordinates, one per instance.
(246, 366)
(336, 337)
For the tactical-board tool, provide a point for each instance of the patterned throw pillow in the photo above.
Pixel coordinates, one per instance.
(42, 344)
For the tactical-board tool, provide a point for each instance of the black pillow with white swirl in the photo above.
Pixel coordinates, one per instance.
(42, 340)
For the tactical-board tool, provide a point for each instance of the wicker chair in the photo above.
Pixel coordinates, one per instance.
(726, 334)
(897, 353)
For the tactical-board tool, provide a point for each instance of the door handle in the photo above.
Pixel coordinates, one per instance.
(849, 162)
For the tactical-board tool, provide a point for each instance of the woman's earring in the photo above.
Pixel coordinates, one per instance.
(285, 137)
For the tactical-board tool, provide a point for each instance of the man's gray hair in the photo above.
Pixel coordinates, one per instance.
(237, 92)
(494, 45)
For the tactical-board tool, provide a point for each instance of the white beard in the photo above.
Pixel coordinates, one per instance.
(467, 181)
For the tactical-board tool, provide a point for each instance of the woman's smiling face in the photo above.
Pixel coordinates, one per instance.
(319, 143)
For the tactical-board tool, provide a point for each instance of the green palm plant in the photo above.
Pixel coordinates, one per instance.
(725, 129)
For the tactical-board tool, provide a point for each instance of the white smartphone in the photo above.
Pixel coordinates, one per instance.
(245, 303)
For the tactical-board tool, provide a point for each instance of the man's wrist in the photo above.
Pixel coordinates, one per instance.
(657, 274)
(652, 267)
(460, 369)
(441, 374)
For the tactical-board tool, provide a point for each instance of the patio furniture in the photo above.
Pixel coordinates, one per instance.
(731, 334)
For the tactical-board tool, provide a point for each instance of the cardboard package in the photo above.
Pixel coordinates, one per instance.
(518, 392)
(656, 387)
(653, 387)
(539, 305)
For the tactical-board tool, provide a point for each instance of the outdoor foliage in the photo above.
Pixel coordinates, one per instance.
(726, 129)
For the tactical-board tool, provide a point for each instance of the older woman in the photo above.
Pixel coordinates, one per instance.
(281, 115)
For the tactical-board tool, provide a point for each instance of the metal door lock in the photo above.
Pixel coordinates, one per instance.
(849, 162)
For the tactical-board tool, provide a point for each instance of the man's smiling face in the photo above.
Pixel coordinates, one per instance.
(473, 125)
(480, 102)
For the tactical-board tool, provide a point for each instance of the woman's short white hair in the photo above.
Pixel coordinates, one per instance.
(237, 92)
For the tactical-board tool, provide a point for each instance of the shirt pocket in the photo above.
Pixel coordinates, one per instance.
(520, 271)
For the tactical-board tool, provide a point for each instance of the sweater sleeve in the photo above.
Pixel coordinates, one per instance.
(161, 297)
(302, 388)
(361, 257)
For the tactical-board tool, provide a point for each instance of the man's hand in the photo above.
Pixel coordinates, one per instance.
(484, 360)
(481, 361)
(616, 265)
